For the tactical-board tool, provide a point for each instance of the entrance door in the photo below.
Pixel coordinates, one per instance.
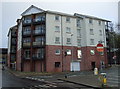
(75, 66)
(93, 65)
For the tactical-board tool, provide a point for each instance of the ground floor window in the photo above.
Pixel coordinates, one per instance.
(57, 64)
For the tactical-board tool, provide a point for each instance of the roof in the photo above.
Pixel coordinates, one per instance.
(32, 6)
(88, 16)
(13, 27)
(59, 13)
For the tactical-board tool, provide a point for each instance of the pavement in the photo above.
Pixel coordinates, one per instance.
(85, 78)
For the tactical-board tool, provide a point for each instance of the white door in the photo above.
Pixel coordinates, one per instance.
(75, 66)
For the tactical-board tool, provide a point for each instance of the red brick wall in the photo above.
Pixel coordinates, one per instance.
(18, 60)
(51, 58)
(26, 65)
(87, 58)
(8, 61)
(85, 63)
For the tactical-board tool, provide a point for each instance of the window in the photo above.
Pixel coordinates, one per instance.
(39, 29)
(91, 32)
(68, 41)
(57, 64)
(78, 22)
(100, 32)
(26, 40)
(27, 54)
(68, 30)
(57, 18)
(57, 28)
(27, 30)
(79, 52)
(57, 51)
(27, 20)
(40, 53)
(91, 41)
(57, 40)
(99, 22)
(92, 52)
(79, 42)
(90, 21)
(67, 19)
(78, 33)
(68, 52)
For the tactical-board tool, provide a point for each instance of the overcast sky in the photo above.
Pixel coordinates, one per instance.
(11, 11)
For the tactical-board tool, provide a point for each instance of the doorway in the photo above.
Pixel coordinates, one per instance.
(93, 65)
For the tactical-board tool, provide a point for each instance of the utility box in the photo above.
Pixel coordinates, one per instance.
(95, 71)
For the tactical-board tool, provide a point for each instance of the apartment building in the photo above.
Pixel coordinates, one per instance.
(51, 41)
(3, 56)
(12, 45)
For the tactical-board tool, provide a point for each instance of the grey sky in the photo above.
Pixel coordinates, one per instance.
(11, 11)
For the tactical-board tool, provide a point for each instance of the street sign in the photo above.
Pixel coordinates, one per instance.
(100, 47)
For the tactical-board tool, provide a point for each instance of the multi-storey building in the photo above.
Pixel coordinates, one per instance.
(3, 56)
(12, 44)
(55, 42)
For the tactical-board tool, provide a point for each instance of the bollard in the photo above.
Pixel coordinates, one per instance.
(95, 71)
(104, 79)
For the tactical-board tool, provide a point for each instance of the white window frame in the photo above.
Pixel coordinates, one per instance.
(91, 32)
(57, 28)
(57, 17)
(67, 19)
(68, 51)
(68, 40)
(57, 40)
(68, 30)
(92, 42)
(57, 51)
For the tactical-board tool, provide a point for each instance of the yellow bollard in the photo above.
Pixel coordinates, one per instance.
(103, 79)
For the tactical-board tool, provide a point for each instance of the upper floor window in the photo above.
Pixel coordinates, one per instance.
(68, 40)
(100, 32)
(26, 40)
(79, 42)
(57, 40)
(68, 30)
(99, 22)
(91, 41)
(90, 21)
(57, 28)
(27, 30)
(78, 22)
(27, 19)
(91, 32)
(67, 19)
(57, 18)
(78, 33)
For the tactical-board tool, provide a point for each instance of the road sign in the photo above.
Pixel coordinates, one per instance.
(100, 47)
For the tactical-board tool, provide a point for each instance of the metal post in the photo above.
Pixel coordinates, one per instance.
(72, 52)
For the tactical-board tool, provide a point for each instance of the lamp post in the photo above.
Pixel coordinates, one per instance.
(72, 52)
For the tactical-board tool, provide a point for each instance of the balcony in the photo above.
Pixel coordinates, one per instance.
(39, 32)
(13, 51)
(27, 22)
(28, 44)
(13, 42)
(26, 33)
(14, 35)
(38, 56)
(38, 44)
(39, 21)
(26, 58)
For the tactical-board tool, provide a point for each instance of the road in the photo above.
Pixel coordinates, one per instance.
(9, 81)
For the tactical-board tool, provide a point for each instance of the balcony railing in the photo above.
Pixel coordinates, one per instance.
(38, 56)
(36, 43)
(27, 22)
(26, 33)
(26, 44)
(38, 32)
